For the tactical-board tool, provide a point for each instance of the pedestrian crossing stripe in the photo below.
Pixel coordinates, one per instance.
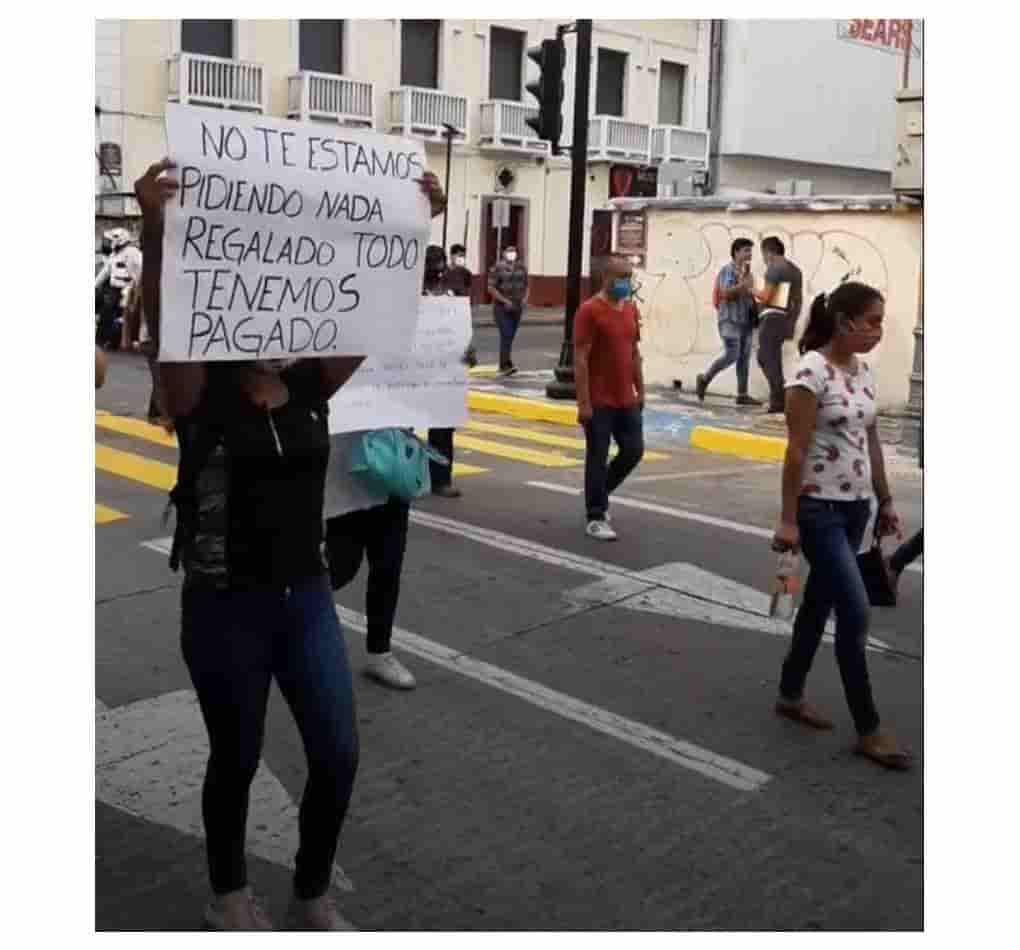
(136, 428)
(136, 468)
(544, 438)
(514, 453)
(105, 515)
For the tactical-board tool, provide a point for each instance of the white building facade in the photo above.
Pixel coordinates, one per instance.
(649, 110)
(809, 106)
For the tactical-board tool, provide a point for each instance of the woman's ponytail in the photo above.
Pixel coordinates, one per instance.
(821, 325)
(847, 300)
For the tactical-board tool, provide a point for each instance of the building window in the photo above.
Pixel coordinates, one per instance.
(208, 37)
(506, 58)
(419, 53)
(320, 46)
(672, 77)
(612, 68)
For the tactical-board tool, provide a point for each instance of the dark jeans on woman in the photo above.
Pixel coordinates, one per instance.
(381, 533)
(507, 320)
(602, 479)
(737, 350)
(907, 553)
(442, 441)
(830, 536)
(773, 333)
(234, 643)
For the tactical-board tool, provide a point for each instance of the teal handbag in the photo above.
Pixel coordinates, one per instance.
(394, 462)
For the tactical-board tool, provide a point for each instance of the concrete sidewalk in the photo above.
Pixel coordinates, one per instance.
(715, 425)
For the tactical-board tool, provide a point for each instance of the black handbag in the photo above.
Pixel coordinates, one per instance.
(875, 574)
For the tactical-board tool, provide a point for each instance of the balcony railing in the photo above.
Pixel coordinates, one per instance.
(331, 98)
(422, 113)
(504, 128)
(213, 81)
(616, 140)
(674, 143)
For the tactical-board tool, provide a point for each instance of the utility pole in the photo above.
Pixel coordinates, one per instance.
(563, 386)
(449, 131)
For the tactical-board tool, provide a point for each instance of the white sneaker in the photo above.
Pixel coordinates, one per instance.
(237, 911)
(388, 670)
(600, 531)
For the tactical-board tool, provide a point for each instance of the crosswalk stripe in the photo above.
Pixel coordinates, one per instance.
(515, 453)
(105, 515)
(136, 468)
(544, 438)
(138, 428)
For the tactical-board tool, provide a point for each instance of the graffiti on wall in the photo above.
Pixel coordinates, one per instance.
(678, 319)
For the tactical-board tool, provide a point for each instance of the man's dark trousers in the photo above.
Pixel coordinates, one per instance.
(771, 336)
(600, 479)
(508, 319)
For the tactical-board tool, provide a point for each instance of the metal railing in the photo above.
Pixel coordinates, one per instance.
(422, 112)
(611, 139)
(212, 80)
(675, 143)
(503, 127)
(314, 95)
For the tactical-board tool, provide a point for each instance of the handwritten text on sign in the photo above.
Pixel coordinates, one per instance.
(288, 239)
(425, 388)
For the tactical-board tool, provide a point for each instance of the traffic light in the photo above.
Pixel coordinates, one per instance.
(548, 90)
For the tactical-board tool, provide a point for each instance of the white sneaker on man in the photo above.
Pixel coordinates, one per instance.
(600, 531)
(389, 671)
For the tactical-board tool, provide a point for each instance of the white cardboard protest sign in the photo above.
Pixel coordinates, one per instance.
(422, 389)
(289, 239)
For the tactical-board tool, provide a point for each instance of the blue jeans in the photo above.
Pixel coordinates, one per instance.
(830, 536)
(737, 350)
(507, 320)
(234, 642)
(602, 479)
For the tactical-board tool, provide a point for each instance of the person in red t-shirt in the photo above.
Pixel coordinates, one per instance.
(610, 392)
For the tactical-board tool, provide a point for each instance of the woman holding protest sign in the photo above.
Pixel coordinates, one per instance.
(256, 603)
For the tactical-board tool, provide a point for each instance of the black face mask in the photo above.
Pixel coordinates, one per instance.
(434, 276)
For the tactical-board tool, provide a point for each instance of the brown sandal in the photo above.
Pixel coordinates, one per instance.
(805, 713)
(883, 749)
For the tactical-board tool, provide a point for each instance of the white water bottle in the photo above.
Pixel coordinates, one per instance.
(785, 586)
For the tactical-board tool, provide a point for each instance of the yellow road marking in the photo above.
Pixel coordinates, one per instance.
(105, 515)
(138, 428)
(136, 468)
(544, 438)
(460, 469)
(515, 453)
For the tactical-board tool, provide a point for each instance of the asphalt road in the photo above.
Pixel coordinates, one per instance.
(591, 745)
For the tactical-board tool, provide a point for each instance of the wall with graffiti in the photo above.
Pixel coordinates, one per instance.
(687, 248)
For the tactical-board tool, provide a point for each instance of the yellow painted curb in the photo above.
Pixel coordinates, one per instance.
(529, 409)
(760, 448)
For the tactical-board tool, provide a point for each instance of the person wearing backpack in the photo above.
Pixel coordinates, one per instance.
(733, 299)
(256, 603)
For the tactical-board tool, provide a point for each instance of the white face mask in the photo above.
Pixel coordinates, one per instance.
(458, 262)
(511, 256)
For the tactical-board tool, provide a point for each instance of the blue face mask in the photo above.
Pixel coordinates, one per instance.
(619, 288)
